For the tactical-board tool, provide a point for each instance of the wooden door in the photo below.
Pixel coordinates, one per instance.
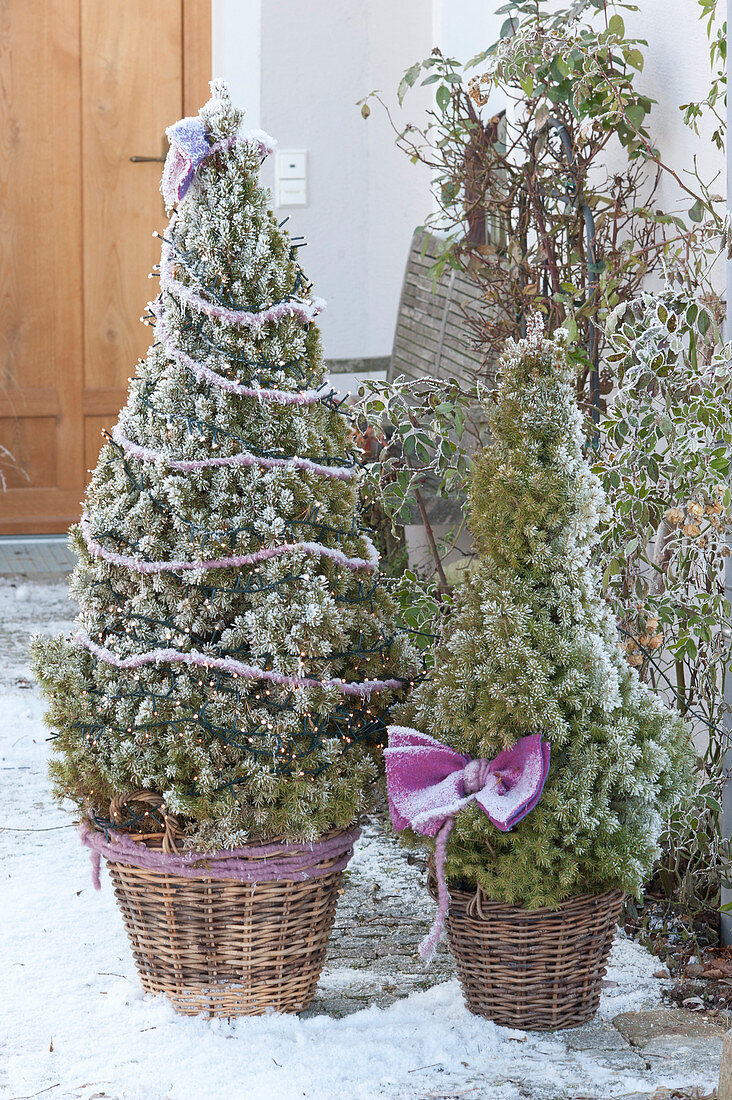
(84, 86)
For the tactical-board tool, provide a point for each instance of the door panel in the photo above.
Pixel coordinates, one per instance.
(132, 88)
(84, 85)
(40, 257)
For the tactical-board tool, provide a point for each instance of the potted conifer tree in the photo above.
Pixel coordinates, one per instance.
(540, 762)
(218, 709)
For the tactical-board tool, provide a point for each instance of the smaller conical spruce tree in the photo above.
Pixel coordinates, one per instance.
(532, 647)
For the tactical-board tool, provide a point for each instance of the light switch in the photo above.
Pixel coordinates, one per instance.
(291, 177)
(292, 193)
(291, 164)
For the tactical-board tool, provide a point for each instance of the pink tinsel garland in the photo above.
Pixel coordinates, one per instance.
(241, 318)
(248, 864)
(236, 668)
(243, 458)
(282, 397)
(139, 565)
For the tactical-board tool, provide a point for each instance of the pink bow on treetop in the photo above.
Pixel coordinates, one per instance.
(428, 783)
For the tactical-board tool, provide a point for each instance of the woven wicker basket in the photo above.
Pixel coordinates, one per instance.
(533, 969)
(227, 947)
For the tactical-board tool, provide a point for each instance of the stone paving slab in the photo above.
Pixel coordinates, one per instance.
(40, 558)
(667, 1037)
(641, 1028)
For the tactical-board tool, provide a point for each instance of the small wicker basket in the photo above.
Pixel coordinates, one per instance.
(532, 969)
(228, 947)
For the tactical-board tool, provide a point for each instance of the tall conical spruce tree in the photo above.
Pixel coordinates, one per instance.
(532, 647)
(247, 690)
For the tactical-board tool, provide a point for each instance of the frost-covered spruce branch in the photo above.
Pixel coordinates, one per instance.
(532, 648)
(222, 523)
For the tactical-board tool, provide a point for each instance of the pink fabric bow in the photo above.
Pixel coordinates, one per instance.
(428, 783)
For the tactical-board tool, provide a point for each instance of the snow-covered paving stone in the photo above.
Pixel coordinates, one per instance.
(74, 1023)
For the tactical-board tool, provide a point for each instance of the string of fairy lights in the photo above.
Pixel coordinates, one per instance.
(194, 701)
(173, 715)
(195, 425)
(282, 755)
(144, 486)
(244, 584)
(197, 266)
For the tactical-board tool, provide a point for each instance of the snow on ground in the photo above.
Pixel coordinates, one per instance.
(75, 1024)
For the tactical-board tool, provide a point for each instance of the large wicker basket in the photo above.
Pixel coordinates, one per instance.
(533, 969)
(226, 947)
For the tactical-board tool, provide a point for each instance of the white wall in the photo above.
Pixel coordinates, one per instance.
(365, 198)
(237, 28)
(462, 28)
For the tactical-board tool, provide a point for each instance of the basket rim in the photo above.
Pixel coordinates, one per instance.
(463, 896)
(170, 835)
(277, 861)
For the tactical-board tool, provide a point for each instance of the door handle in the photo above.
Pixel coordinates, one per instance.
(153, 160)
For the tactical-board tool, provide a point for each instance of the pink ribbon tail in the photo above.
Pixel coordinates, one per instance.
(429, 943)
(96, 862)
